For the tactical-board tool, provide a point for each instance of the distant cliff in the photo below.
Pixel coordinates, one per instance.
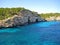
(23, 17)
(51, 16)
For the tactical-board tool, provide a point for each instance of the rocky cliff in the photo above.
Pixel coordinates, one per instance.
(53, 18)
(22, 18)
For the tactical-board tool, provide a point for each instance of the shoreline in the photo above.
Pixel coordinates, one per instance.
(27, 24)
(23, 25)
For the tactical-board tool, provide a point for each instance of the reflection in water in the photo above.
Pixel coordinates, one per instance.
(43, 33)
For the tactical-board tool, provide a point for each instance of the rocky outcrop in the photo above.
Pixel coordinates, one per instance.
(58, 18)
(23, 17)
(53, 18)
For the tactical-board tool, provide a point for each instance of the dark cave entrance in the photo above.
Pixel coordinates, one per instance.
(36, 20)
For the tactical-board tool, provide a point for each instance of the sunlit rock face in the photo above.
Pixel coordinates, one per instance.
(58, 18)
(23, 17)
(53, 18)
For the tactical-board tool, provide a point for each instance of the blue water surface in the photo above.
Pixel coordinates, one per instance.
(42, 33)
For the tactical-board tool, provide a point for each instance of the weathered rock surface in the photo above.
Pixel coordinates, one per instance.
(53, 18)
(23, 17)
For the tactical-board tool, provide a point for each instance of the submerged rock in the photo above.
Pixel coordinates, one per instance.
(23, 17)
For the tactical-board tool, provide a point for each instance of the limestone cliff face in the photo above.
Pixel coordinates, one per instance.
(53, 18)
(23, 17)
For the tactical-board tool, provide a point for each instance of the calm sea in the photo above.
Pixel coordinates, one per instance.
(42, 33)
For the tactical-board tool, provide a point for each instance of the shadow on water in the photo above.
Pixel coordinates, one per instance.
(43, 33)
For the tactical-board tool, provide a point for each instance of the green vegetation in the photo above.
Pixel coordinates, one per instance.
(8, 12)
(47, 15)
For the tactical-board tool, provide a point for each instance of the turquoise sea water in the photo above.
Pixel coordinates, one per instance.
(42, 33)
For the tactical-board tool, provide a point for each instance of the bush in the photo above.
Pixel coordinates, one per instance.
(8, 12)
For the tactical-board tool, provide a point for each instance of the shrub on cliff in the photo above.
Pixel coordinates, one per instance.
(8, 12)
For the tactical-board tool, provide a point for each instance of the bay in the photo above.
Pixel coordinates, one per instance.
(41, 33)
